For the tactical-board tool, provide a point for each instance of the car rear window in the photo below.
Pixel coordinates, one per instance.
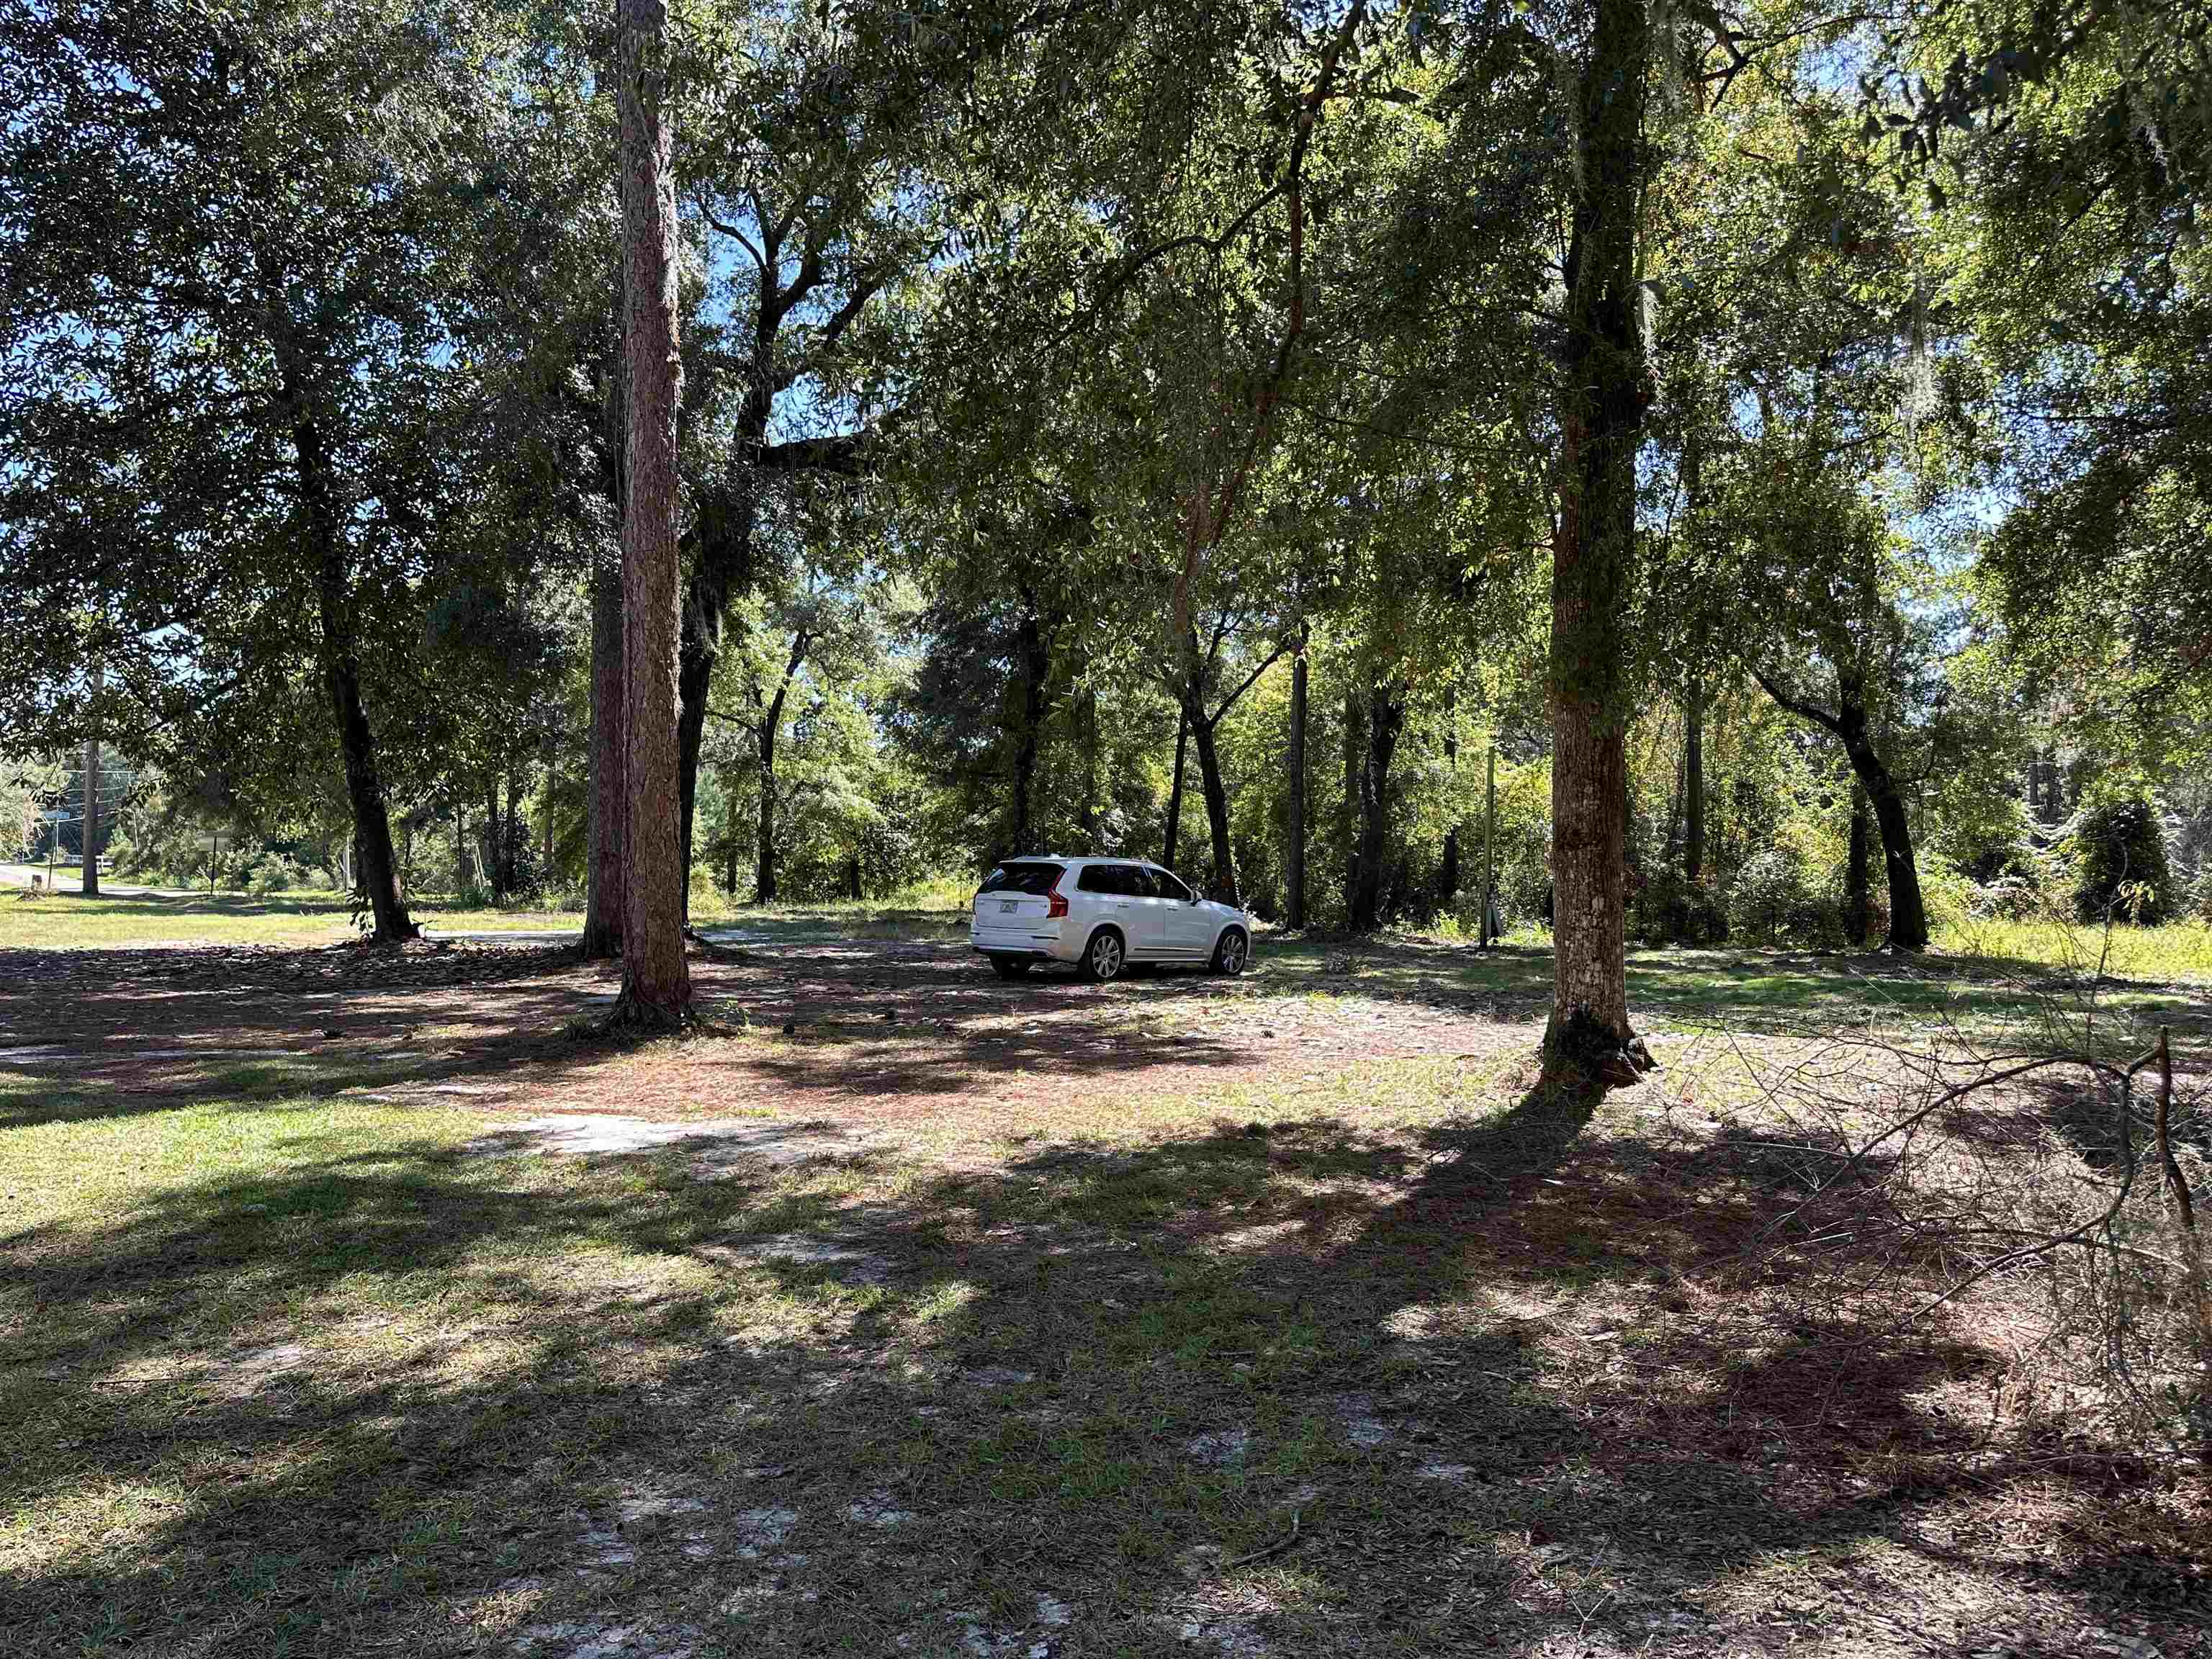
(1034, 876)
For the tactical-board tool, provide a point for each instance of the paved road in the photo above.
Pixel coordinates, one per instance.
(67, 881)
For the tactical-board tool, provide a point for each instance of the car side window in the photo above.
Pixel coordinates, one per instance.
(1171, 887)
(1098, 878)
(1142, 883)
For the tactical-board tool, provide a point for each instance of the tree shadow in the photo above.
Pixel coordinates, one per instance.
(1502, 1368)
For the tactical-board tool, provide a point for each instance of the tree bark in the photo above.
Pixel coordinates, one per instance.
(88, 884)
(1908, 914)
(656, 980)
(1295, 875)
(1386, 718)
(1222, 883)
(1605, 391)
(1173, 828)
(764, 849)
(607, 802)
(1859, 897)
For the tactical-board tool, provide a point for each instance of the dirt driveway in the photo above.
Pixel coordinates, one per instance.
(878, 1034)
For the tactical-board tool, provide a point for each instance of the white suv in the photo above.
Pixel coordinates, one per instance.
(1102, 914)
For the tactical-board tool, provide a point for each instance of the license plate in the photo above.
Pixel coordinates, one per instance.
(1007, 907)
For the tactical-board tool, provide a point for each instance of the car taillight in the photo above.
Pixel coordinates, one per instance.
(1055, 905)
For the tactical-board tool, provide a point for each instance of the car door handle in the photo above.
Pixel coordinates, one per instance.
(1122, 906)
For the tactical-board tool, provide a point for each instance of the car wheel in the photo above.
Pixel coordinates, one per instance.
(1104, 958)
(1231, 952)
(1011, 967)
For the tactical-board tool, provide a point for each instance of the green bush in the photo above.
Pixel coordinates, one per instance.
(1774, 900)
(1670, 908)
(2121, 867)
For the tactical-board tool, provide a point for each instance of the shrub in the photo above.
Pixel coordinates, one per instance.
(1773, 899)
(1671, 909)
(273, 872)
(2118, 841)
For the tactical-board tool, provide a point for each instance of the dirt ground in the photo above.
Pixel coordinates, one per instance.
(877, 1033)
(1181, 1317)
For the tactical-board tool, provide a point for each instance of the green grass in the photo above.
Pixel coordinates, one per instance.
(2170, 951)
(298, 1376)
(287, 1372)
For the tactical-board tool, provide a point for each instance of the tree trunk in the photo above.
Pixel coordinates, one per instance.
(1174, 827)
(1386, 718)
(88, 884)
(1693, 779)
(376, 872)
(604, 903)
(764, 850)
(1605, 391)
(1858, 895)
(1908, 914)
(852, 878)
(606, 805)
(656, 981)
(721, 568)
(1295, 871)
(1035, 666)
(1222, 885)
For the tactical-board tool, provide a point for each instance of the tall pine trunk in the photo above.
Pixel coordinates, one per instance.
(1605, 389)
(1448, 875)
(1295, 874)
(656, 981)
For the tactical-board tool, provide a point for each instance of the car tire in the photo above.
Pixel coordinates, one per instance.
(1231, 951)
(1011, 967)
(1105, 957)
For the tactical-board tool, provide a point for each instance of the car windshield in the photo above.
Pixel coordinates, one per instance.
(1029, 876)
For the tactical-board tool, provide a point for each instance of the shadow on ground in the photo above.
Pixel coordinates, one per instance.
(1295, 1389)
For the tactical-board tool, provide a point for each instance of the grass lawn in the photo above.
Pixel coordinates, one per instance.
(347, 1306)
